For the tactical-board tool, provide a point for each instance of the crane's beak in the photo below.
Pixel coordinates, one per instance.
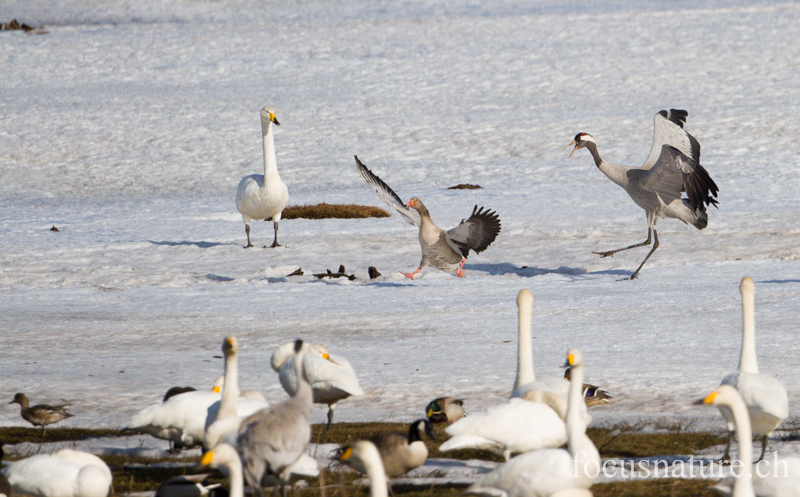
(573, 142)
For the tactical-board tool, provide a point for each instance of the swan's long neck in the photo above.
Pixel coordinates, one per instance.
(748, 361)
(743, 485)
(230, 389)
(270, 162)
(236, 478)
(304, 395)
(580, 446)
(376, 474)
(525, 372)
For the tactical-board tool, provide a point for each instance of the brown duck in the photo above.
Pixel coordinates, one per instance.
(42, 414)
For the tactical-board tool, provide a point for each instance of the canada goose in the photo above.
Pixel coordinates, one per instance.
(771, 480)
(366, 452)
(47, 475)
(225, 456)
(549, 472)
(515, 427)
(180, 419)
(331, 376)
(42, 414)
(592, 395)
(273, 439)
(445, 250)
(763, 394)
(445, 410)
(673, 167)
(263, 196)
(224, 416)
(400, 452)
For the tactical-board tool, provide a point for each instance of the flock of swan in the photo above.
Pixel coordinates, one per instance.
(671, 169)
(258, 445)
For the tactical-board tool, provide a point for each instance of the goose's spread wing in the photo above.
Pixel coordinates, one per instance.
(668, 130)
(387, 194)
(675, 172)
(476, 233)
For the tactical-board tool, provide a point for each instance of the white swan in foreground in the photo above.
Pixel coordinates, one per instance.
(445, 250)
(768, 479)
(224, 417)
(263, 196)
(367, 455)
(67, 473)
(273, 439)
(513, 428)
(331, 376)
(763, 394)
(181, 419)
(550, 472)
(225, 456)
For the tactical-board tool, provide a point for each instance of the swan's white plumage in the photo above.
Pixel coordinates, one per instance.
(764, 396)
(67, 475)
(181, 419)
(513, 428)
(773, 480)
(332, 378)
(550, 472)
(263, 196)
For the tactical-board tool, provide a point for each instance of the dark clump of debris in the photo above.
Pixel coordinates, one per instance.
(340, 274)
(54, 228)
(15, 25)
(297, 272)
(373, 272)
(465, 186)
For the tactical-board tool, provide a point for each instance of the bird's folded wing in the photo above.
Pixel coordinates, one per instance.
(476, 233)
(387, 194)
(668, 130)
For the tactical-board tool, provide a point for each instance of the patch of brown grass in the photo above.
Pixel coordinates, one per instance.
(332, 211)
(655, 488)
(465, 186)
(17, 434)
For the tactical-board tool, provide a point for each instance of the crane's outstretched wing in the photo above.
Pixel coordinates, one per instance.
(476, 233)
(668, 130)
(673, 173)
(387, 194)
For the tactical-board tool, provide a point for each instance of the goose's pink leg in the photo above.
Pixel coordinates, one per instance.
(460, 271)
(411, 275)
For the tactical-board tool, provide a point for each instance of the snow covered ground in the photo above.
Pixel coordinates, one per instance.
(129, 124)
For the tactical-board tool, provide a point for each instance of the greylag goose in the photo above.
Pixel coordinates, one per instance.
(549, 472)
(273, 439)
(781, 479)
(445, 410)
(41, 414)
(263, 196)
(764, 395)
(445, 250)
(400, 452)
(331, 376)
(673, 167)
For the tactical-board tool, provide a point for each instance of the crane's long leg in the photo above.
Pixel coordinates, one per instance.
(612, 252)
(655, 246)
(275, 240)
